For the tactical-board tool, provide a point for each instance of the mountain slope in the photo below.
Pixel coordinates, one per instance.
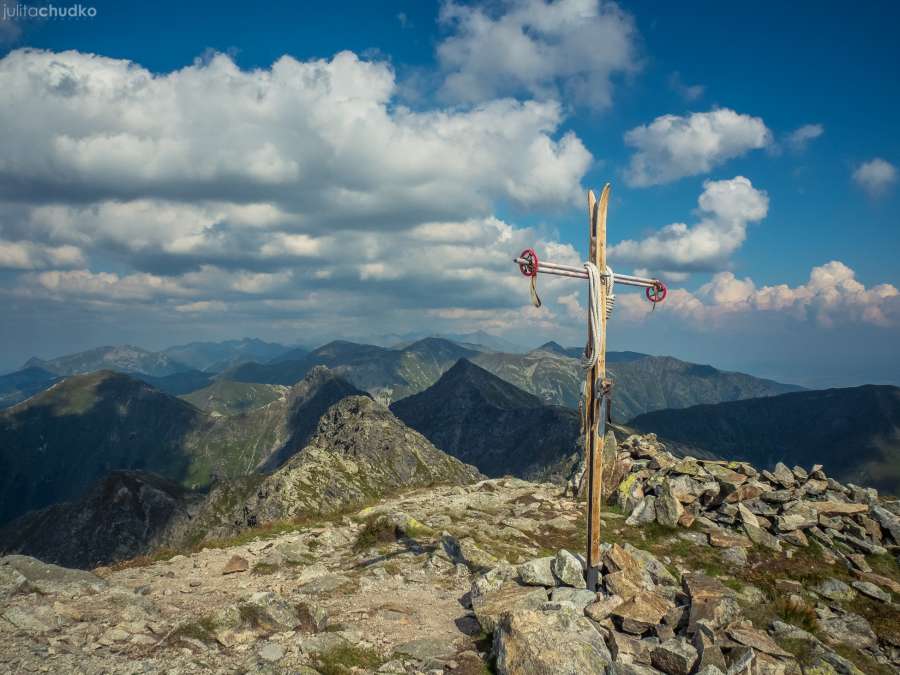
(58, 442)
(854, 431)
(484, 420)
(218, 356)
(53, 446)
(360, 452)
(120, 516)
(17, 386)
(123, 358)
(387, 374)
(176, 384)
(226, 397)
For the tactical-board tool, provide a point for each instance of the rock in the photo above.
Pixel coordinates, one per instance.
(641, 612)
(735, 555)
(236, 564)
(668, 508)
(467, 552)
(630, 649)
(426, 649)
(835, 589)
(25, 620)
(12, 582)
(675, 656)
(621, 584)
(489, 607)
(711, 602)
(658, 572)
(579, 597)
(47, 578)
(644, 512)
(271, 652)
(850, 629)
(888, 521)
(529, 641)
(537, 572)
(568, 569)
(293, 553)
(747, 517)
(784, 475)
(831, 508)
(795, 537)
(266, 613)
(311, 618)
(603, 607)
(759, 536)
(745, 634)
(721, 538)
(885, 582)
(871, 590)
(709, 653)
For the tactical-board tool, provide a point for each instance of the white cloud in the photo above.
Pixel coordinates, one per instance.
(799, 138)
(831, 296)
(320, 139)
(25, 255)
(875, 176)
(726, 206)
(673, 146)
(566, 48)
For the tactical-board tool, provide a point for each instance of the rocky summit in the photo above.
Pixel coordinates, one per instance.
(707, 567)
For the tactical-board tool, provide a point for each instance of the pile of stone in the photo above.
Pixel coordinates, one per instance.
(641, 620)
(735, 506)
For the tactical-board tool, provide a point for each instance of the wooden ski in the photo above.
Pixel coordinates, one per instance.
(595, 388)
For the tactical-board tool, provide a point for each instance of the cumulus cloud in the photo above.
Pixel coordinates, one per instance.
(566, 48)
(321, 139)
(832, 295)
(726, 207)
(674, 146)
(799, 138)
(876, 176)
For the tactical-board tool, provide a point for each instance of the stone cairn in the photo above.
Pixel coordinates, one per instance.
(642, 619)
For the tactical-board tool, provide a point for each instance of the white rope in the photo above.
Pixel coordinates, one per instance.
(592, 348)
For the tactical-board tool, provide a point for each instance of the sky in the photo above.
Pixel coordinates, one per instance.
(308, 171)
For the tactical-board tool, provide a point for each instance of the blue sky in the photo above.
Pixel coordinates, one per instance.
(738, 84)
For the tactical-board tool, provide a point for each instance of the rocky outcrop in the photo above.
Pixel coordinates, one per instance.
(120, 516)
(359, 453)
(735, 505)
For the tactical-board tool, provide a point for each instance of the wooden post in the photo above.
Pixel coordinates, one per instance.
(595, 387)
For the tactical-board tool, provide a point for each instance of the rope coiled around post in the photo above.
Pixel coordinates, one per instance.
(592, 348)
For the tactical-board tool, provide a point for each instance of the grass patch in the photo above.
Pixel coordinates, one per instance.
(863, 661)
(803, 650)
(264, 568)
(342, 660)
(201, 630)
(797, 614)
(159, 555)
(884, 619)
(376, 531)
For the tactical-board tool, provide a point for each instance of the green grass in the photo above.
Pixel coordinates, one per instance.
(261, 568)
(342, 660)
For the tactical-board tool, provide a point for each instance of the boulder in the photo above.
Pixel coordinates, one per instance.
(830, 508)
(784, 476)
(603, 607)
(711, 602)
(834, 589)
(644, 512)
(568, 569)
(491, 606)
(530, 641)
(871, 590)
(579, 597)
(641, 612)
(629, 649)
(668, 508)
(759, 536)
(888, 521)
(266, 613)
(721, 538)
(465, 551)
(745, 634)
(47, 578)
(675, 656)
(236, 564)
(537, 572)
